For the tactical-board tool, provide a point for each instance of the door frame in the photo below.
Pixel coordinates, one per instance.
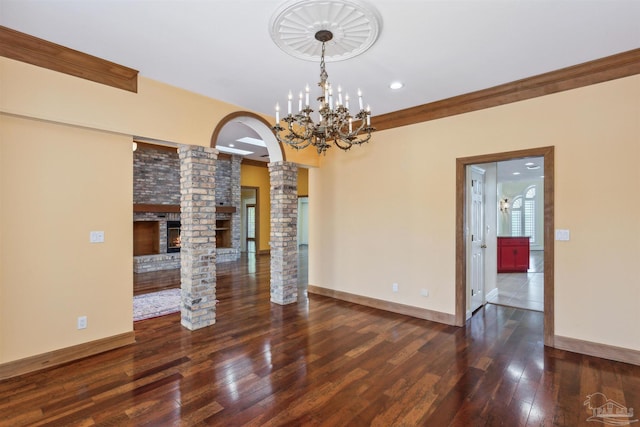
(461, 246)
(244, 219)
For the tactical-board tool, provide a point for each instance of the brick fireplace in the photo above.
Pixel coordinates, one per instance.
(156, 194)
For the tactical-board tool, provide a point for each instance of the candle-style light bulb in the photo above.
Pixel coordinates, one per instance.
(360, 98)
(289, 103)
(350, 125)
(368, 115)
(306, 89)
(346, 99)
(339, 95)
(300, 102)
(277, 113)
(330, 98)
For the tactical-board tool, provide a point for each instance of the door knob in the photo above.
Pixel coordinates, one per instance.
(483, 246)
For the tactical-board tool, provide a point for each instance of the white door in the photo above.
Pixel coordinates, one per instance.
(475, 238)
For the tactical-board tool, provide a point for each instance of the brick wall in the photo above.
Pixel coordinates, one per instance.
(156, 176)
(156, 180)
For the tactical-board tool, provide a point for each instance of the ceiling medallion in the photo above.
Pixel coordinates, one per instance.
(354, 25)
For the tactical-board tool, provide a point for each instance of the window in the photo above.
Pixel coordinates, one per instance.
(530, 213)
(516, 216)
(523, 214)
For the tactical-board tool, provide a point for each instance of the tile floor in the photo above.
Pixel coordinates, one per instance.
(523, 290)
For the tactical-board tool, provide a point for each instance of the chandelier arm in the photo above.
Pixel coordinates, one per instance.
(296, 143)
(293, 133)
(343, 144)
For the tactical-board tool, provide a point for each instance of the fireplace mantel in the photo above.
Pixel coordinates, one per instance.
(140, 207)
(225, 209)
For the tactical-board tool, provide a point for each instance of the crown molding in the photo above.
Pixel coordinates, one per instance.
(32, 50)
(26, 48)
(600, 70)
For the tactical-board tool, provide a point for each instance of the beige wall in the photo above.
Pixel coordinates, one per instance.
(58, 183)
(157, 111)
(385, 213)
(66, 156)
(303, 182)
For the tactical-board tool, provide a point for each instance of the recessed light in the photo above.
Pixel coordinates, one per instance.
(529, 164)
(396, 85)
(231, 145)
(533, 167)
(516, 173)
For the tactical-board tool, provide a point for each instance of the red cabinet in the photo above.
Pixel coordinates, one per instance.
(513, 254)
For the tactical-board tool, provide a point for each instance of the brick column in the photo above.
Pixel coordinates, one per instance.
(198, 236)
(284, 232)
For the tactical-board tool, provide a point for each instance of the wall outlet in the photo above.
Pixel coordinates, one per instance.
(394, 287)
(82, 322)
(424, 292)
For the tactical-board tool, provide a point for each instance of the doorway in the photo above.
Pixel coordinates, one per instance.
(505, 239)
(249, 224)
(520, 225)
(461, 235)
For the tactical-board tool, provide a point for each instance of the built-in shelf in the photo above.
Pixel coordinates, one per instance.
(146, 238)
(223, 233)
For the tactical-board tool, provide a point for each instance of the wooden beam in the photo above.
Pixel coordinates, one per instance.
(36, 51)
(225, 209)
(141, 207)
(600, 70)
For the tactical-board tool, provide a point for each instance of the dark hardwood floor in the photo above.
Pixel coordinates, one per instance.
(321, 362)
(144, 283)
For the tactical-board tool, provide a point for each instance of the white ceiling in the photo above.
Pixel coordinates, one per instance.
(527, 169)
(439, 49)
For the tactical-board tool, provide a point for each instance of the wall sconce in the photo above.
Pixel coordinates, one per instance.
(504, 205)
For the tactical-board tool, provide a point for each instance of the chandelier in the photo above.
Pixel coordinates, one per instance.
(335, 123)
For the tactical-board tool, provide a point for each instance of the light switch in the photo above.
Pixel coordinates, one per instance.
(562, 235)
(96, 237)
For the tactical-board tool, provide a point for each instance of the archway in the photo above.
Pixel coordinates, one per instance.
(257, 124)
(283, 206)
